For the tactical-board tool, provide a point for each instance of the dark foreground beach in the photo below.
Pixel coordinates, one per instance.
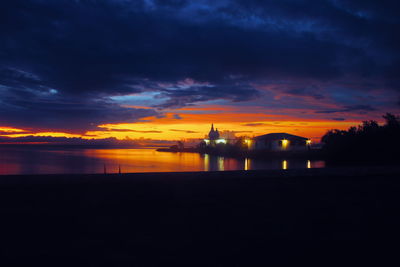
(325, 217)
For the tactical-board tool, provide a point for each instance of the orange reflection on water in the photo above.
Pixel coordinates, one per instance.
(206, 162)
(317, 164)
(66, 160)
(148, 160)
(247, 165)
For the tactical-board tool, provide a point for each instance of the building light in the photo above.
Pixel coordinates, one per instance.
(207, 141)
(308, 164)
(220, 141)
(308, 142)
(285, 143)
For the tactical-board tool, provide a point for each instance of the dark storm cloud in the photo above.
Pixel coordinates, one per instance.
(76, 54)
(356, 108)
(75, 116)
(179, 97)
(311, 91)
(47, 109)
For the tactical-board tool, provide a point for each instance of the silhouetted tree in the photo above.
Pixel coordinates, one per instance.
(368, 141)
(392, 121)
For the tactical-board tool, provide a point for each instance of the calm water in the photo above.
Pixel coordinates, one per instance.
(58, 161)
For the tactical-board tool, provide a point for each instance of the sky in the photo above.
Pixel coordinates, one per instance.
(167, 69)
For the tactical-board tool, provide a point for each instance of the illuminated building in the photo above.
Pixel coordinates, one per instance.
(214, 137)
(280, 142)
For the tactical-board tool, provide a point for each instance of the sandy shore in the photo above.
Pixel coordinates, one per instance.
(239, 218)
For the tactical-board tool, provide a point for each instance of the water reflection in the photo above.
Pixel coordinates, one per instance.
(60, 160)
(247, 165)
(214, 163)
(221, 164)
(284, 165)
(206, 162)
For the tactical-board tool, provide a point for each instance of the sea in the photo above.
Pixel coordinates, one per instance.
(61, 160)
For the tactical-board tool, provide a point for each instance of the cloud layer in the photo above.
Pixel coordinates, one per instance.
(62, 62)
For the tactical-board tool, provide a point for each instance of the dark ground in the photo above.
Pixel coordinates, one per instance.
(348, 216)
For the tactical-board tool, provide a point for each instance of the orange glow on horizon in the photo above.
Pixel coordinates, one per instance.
(194, 123)
(198, 125)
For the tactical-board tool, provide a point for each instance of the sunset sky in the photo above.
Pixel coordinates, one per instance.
(167, 69)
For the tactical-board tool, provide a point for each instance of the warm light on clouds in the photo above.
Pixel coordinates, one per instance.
(194, 122)
(52, 134)
(197, 125)
(169, 71)
(10, 130)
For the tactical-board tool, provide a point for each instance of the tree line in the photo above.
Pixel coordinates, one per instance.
(368, 141)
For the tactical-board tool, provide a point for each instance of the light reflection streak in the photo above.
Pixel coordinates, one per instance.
(50, 161)
(206, 162)
(247, 165)
(221, 166)
(284, 165)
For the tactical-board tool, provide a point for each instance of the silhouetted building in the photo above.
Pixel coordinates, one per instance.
(213, 135)
(279, 142)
